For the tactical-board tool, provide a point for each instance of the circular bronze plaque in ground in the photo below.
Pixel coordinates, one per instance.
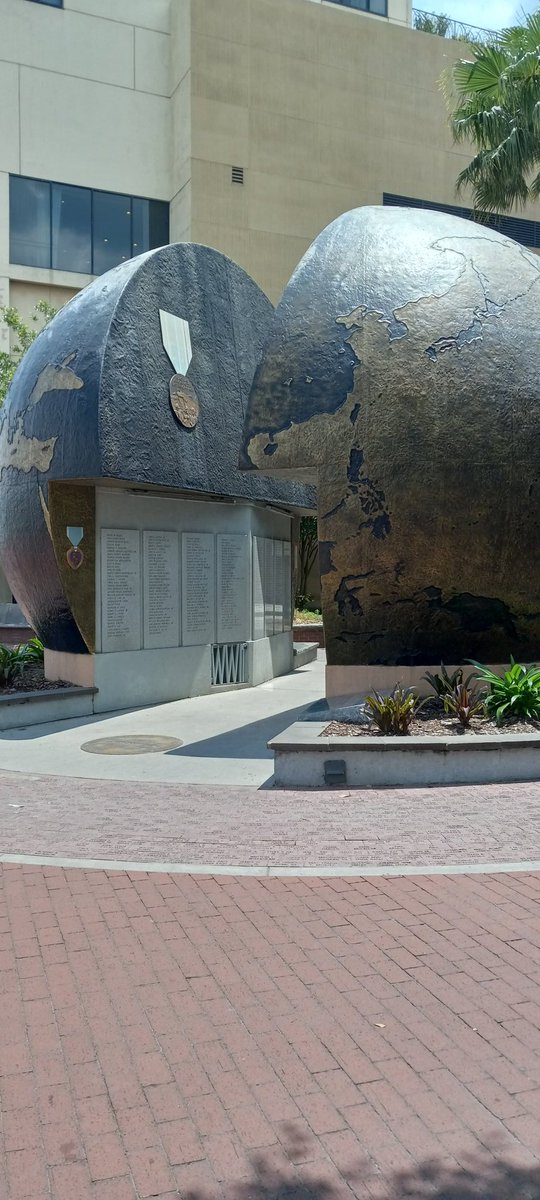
(184, 401)
(137, 743)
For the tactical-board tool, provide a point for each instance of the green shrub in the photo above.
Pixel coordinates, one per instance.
(514, 695)
(10, 664)
(445, 684)
(32, 652)
(465, 703)
(14, 659)
(393, 714)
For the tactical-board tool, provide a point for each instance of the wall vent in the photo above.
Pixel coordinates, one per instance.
(229, 664)
(237, 174)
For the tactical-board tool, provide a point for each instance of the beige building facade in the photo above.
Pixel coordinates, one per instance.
(249, 124)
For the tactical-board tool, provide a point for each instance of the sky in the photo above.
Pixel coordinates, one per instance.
(490, 14)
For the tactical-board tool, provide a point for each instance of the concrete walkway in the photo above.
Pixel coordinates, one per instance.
(224, 736)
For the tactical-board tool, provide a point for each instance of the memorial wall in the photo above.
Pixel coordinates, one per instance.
(207, 579)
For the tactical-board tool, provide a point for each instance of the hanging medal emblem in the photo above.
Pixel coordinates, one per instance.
(75, 556)
(177, 344)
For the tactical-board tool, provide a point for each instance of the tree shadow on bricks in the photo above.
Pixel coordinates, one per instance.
(291, 1172)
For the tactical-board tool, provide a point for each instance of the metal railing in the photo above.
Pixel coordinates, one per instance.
(443, 26)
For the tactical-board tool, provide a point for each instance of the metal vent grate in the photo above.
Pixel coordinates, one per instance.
(229, 664)
(524, 231)
(237, 174)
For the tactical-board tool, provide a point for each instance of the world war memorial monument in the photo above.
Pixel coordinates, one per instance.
(163, 432)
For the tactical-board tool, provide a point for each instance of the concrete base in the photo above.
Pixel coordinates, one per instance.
(302, 758)
(137, 678)
(270, 657)
(38, 708)
(72, 668)
(304, 652)
(344, 682)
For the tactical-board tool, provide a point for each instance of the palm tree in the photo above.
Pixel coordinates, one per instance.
(496, 106)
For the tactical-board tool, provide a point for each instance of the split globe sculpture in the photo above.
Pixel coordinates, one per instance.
(401, 375)
(128, 534)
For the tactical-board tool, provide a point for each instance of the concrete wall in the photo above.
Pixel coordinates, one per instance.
(84, 99)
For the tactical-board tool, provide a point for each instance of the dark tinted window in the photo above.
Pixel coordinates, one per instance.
(380, 7)
(141, 226)
(77, 229)
(112, 231)
(29, 222)
(159, 223)
(71, 220)
(51, 3)
(519, 228)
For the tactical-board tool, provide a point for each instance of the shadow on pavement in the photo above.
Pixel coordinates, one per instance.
(480, 1177)
(247, 741)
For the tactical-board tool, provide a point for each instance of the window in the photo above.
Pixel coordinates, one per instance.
(379, 7)
(525, 232)
(51, 3)
(112, 230)
(80, 229)
(71, 225)
(30, 224)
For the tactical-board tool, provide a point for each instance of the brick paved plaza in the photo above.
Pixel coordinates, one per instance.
(255, 1039)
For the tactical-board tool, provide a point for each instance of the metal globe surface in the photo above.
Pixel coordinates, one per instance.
(401, 372)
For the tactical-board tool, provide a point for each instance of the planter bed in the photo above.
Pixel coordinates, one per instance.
(306, 755)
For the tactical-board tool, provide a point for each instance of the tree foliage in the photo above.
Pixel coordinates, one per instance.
(495, 105)
(23, 336)
(307, 553)
(437, 23)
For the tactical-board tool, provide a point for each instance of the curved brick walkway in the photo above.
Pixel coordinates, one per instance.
(167, 823)
(269, 1039)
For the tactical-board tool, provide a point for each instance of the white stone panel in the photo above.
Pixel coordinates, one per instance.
(9, 115)
(268, 586)
(161, 589)
(287, 586)
(120, 590)
(278, 587)
(115, 139)
(152, 65)
(198, 589)
(258, 588)
(233, 587)
(70, 43)
(150, 14)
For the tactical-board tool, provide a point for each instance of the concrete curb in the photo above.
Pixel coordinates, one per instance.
(302, 758)
(344, 872)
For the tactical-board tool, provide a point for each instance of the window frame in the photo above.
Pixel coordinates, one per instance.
(368, 9)
(164, 215)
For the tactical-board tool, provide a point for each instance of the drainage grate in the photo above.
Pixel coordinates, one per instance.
(229, 664)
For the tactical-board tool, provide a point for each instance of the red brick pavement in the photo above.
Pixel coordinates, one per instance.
(269, 1039)
(242, 826)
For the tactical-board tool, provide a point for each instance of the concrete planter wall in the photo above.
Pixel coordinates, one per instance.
(302, 758)
(40, 707)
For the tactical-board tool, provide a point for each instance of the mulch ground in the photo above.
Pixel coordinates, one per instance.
(32, 679)
(432, 721)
